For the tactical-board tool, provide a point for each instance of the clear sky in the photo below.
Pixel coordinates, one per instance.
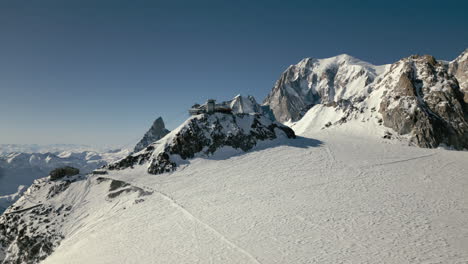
(99, 72)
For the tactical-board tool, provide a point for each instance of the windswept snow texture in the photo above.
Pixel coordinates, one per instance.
(332, 199)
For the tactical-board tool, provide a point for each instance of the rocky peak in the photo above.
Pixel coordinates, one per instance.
(423, 100)
(248, 105)
(203, 135)
(156, 132)
(319, 81)
(459, 68)
(244, 105)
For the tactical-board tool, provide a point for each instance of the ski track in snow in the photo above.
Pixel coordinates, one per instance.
(403, 160)
(190, 216)
(345, 201)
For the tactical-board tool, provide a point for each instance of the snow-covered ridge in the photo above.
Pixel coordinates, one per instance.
(203, 135)
(21, 169)
(50, 148)
(45, 209)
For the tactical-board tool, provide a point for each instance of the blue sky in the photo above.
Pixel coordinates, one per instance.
(99, 72)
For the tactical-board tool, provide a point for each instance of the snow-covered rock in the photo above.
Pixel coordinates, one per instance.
(423, 100)
(248, 105)
(416, 99)
(320, 81)
(203, 135)
(155, 133)
(459, 68)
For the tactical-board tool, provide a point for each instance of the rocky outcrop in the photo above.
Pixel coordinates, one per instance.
(30, 230)
(418, 97)
(422, 99)
(155, 133)
(319, 81)
(248, 105)
(459, 68)
(203, 135)
(62, 172)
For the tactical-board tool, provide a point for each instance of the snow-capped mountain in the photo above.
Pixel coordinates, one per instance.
(320, 81)
(417, 99)
(240, 187)
(155, 133)
(49, 148)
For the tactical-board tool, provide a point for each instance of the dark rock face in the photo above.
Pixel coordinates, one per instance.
(29, 231)
(203, 135)
(62, 172)
(31, 248)
(32, 228)
(155, 133)
(118, 188)
(426, 102)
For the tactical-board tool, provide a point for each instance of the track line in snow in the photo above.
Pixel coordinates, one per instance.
(190, 216)
(403, 160)
(330, 154)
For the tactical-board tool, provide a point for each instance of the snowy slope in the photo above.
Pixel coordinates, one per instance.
(21, 169)
(332, 199)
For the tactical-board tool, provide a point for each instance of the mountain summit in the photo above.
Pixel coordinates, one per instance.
(319, 81)
(156, 132)
(418, 98)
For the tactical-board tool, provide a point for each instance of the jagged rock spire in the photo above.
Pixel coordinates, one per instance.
(155, 133)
